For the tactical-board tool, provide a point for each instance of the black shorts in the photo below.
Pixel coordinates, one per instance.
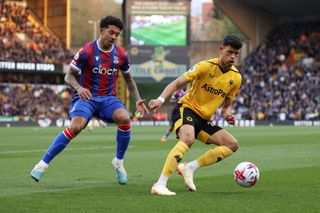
(203, 129)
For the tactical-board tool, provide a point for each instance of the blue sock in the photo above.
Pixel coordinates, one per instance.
(123, 139)
(59, 143)
(167, 133)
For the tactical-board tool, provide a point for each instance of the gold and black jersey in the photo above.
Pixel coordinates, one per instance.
(210, 87)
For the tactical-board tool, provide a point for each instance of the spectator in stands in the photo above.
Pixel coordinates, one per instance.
(43, 47)
(282, 75)
(34, 101)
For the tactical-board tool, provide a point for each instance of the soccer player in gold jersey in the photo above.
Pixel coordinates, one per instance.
(215, 83)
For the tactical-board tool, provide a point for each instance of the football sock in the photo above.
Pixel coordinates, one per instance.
(174, 157)
(58, 144)
(43, 164)
(123, 139)
(118, 161)
(162, 180)
(167, 133)
(214, 155)
(193, 165)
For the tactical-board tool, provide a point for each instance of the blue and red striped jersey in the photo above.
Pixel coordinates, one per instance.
(98, 69)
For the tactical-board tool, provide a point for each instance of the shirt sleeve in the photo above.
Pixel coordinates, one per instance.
(79, 60)
(125, 67)
(195, 72)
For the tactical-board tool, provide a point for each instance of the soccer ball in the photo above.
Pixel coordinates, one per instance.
(246, 174)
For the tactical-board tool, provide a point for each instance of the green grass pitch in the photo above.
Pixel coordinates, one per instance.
(162, 34)
(81, 178)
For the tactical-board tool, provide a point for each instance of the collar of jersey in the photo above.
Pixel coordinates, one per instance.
(107, 51)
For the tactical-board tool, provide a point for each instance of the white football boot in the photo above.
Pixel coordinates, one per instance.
(38, 171)
(161, 190)
(120, 171)
(187, 175)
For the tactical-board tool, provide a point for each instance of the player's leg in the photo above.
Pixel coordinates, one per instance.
(226, 146)
(186, 134)
(121, 117)
(80, 113)
(167, 133)
(57, 145)
(115, 111)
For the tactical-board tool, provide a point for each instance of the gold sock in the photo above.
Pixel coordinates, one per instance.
(214, 155)
(174, 157)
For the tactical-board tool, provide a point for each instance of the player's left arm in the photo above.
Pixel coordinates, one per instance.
(226, 111)
(227, 105)
(133, 89)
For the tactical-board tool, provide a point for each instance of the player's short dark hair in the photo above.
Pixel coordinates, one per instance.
(111, 20)
(233, 41)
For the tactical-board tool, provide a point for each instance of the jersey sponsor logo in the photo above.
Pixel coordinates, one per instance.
(104, 71)
(214, 91)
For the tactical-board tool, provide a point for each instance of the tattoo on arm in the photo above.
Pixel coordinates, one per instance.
(132, 87)
(71, 80)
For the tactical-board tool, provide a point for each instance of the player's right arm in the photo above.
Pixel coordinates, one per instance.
(193, 73)
(155, 104)
(76, 65)
(71, 80)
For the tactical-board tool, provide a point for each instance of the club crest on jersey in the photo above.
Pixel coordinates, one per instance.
(97, 58)
(231, 83)
(116, 60)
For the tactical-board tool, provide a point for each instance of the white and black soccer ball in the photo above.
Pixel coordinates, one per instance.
(246, 174)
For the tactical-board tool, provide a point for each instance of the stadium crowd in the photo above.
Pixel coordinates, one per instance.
(34, 102)
(24, 39)
(281, 76)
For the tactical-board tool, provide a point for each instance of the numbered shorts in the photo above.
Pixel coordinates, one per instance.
(203, 129)
(101, 107)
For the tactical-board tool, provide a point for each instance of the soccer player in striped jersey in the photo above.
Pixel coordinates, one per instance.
(215, 83)
(98, 63)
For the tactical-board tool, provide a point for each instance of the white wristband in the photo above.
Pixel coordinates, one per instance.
(161, 99)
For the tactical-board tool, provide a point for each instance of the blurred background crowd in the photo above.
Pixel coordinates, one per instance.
(25, 40)
(280, 76)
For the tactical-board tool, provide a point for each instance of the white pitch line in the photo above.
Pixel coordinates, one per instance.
(69, 149)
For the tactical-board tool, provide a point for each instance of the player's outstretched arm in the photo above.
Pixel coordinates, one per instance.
(132, 87)
(155, 104)
(70, 79)
(226, 112)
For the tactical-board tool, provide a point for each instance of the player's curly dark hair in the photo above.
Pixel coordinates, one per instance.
(111, 20)
(232, 41)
